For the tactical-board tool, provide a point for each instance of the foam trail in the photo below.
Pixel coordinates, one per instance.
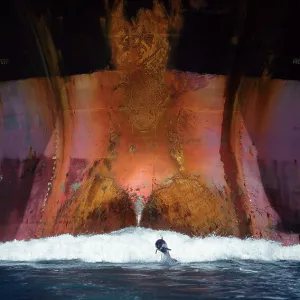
(136, 244)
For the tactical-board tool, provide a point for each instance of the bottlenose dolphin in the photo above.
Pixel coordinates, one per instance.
(162, 246)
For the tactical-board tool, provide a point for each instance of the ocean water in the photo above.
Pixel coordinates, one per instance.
(123, 265)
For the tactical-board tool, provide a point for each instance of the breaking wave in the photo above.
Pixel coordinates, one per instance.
(134, 245)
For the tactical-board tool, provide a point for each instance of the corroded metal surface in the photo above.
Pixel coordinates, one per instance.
(204, 153)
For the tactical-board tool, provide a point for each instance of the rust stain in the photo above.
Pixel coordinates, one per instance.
(190, 207)
(98, 207)
(140, 51)
(62, 130)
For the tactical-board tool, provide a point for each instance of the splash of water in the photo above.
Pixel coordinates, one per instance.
(138, 207)
(137, 244)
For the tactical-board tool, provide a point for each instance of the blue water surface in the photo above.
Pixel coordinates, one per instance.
(227, 279)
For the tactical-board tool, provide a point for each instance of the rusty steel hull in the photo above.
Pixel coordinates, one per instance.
(204, 152)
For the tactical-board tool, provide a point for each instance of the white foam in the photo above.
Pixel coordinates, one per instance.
(133, 245)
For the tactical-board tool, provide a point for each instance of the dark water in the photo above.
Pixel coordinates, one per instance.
(213, 280)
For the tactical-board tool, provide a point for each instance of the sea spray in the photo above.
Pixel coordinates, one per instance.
(138, 207)
(137, 245)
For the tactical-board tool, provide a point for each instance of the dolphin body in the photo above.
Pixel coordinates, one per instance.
(162, 246)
